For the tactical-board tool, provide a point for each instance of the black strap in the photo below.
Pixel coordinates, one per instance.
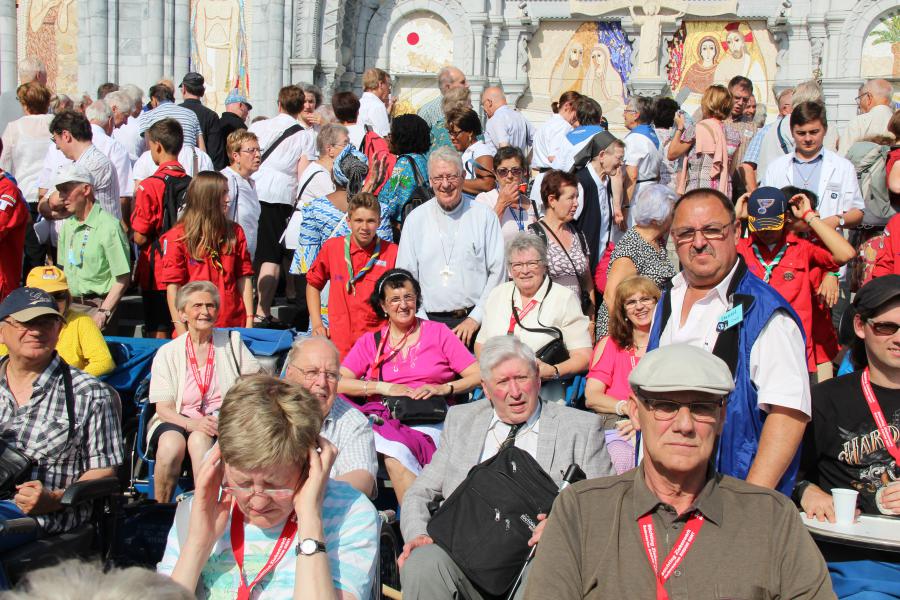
(581, 242)
(237, 364)
(419, 180)
(612, 216)
(70, 396)
(284, 135)
(549, 330)
(781, 140)
(303, 188)
(362, 143)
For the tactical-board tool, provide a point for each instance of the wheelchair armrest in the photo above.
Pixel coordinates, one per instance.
(22, 525)
(92, 489)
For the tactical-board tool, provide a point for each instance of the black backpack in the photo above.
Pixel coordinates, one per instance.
(421, 194)
(173, 199)
(487, 521)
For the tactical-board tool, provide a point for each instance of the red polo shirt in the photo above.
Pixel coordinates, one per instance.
(792, 277)
(14, 219)
(146, 219)
(179, 267)
(349, 315)
(888, 260)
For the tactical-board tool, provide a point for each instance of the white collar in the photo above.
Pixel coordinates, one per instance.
(530, 425)
(721, 289)
(540, 295)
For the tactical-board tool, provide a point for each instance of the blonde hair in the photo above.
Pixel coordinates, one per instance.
(372, 78)
(266, 422)
(620, 328)
(716, 102)
(237, 138)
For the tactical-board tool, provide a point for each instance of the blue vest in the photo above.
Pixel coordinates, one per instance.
(744, 420)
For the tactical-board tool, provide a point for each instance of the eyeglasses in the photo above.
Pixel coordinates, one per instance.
(861, 96)
(530, 264)
(44, 322)
(515, 171)
(251, 150)
(643, 301)
(245, 493)
(407, 299)
(710, 232)
(313, 374)
(456, 132)
(883, 328)
(702, 411)
(444, 179)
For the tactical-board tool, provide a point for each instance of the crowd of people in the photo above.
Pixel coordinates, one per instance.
(701, 314)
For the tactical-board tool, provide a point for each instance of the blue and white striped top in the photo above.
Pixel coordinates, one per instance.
(169, 110)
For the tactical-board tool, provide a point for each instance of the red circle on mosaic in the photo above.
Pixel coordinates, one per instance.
(413, 38)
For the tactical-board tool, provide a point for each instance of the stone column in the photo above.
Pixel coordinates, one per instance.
(93, 55)
(182, 58)
(154, 41)
(8, 60)
(112, 41)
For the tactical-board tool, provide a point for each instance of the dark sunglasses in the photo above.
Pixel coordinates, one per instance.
(883, 328)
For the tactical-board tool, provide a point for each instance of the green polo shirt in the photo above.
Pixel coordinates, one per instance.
(92, 253)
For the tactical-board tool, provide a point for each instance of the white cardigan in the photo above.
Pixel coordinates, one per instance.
(232, 359)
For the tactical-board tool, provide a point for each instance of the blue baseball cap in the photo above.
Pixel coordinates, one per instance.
(766, 208)
(235, 95)
(27, 303)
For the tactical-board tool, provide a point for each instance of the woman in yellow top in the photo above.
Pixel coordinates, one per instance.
(80, 343)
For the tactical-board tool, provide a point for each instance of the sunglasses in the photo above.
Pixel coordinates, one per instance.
(883, 328)
(515, 171)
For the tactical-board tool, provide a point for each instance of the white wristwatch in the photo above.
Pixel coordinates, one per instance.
(309, 546)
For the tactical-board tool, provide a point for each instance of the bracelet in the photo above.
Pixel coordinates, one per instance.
(556, 370)
(808, 210)
(813, 218)
(835, 274)
(366, 388)
(620, 410)
(451, 389)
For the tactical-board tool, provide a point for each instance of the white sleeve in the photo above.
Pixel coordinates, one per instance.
(580, 201)
(635, 151)
(852, 195)
(778, 366)
(121, 163)
(143, 167)
(381, 124)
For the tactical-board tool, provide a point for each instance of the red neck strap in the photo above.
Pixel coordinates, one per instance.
(237, 548)
(884, 428)
(679, 550)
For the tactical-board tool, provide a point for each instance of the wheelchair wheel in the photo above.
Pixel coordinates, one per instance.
(388, 550)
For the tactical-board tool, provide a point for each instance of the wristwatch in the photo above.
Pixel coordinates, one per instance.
(841, 221)
(105, 311)
(309, 546)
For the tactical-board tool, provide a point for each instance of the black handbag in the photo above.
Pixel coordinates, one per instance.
(554, 351)
(487, 521)
(15, 466)
(411, 411)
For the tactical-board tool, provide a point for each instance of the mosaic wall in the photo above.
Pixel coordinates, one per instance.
(51, 36)
(220, 44)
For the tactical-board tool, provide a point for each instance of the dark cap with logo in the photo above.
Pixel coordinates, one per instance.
(27, 303)
(766, 208)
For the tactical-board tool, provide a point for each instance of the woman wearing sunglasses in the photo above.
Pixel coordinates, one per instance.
(508, 199)
(264, 520)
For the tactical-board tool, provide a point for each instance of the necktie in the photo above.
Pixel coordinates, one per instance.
(511, 436)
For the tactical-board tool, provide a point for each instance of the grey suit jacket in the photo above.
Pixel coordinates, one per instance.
(565, 436)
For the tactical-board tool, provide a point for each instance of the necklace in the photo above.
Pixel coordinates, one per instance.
(446, 273)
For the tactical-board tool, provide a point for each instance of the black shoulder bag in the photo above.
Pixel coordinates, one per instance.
(15, 466)
(554, 351)
(411, 411)
(421, 194)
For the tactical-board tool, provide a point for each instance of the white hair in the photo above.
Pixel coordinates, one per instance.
(502, 348)
(879, 88)
(445, 78)
(524, 241)
(134, 92)
(446, 154)
(120, 101)
(30, 68)
(807, 91)
(654, 204)
(302, 340)
(98, 112)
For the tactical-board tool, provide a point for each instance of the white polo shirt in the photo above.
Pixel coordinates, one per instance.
(276, 180)
(373, 112)
(777, 358)
(508, 128)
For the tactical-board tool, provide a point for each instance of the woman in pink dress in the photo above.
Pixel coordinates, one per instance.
(615, 356)
(411, 357)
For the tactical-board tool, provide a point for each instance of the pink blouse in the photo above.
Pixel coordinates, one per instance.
(436, 358)
(192, 405)
(613, 368)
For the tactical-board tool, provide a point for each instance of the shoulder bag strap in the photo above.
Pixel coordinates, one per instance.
(303, 188)
(609, 202)
(70, 396)
(538, 231)
(416, 174)
(195, 160)
(554, 331)
(284, 135)
(575, 235)
(234, 356)
(781, 140)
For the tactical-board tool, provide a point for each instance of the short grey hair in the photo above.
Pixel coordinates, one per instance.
(120, 101)
(502, 348)
(134, 92)
(445, 78)
(524, 241)
(59, 103)
(329, 135)
(455, 99)
(879, 88)
(654, 204)
(807, 91)
(74, 579)
(98, 112)
(194, 287)
(446, 154)
(30, 68)
(303, 340)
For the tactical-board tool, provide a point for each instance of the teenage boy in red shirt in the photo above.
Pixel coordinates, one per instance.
(785, 261)
(164, 139)
(349, 313)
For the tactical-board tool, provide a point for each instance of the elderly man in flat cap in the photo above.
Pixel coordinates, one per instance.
(674, 527)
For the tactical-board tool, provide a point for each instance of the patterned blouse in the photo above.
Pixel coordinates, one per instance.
(649, 262)
(560, 269)
(700, 165)
(400, 185)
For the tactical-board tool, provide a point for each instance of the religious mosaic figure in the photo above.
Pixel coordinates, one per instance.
(48, 23)
(742, 57)
(602, 82)
(701, 73)
(220, 47)
(651, 23)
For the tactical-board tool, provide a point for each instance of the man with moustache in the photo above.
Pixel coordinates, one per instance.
(314, 363)
(715, 303)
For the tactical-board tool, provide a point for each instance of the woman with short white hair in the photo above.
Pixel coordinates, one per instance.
(642, 249)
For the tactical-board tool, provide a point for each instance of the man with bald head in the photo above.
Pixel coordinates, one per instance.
(717, 304)
(448, 78)
(506, 126)
(874, 102)
(314, 363)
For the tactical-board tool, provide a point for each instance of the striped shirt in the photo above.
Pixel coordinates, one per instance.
(169, 110)
(40, 429)
(349, 429)
(350, 523)
(433, 110)
(106, 180)
(751, 155)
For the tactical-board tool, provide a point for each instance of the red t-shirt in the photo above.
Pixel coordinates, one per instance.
(349, 315)
(14, 219)
(146, 219)
(888, 260)
(178, 267)
(792, 277)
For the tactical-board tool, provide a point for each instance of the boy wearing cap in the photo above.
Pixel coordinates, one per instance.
(851, 441)
(164, 139)
(14, 220)
(672, 527)
(777, 256)
(92, 249)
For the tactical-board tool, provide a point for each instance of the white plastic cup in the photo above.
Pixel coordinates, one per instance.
(844, 505)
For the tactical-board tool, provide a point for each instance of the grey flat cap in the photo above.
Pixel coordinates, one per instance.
(681, 367)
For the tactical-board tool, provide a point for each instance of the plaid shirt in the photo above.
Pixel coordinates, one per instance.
(751, 155)
(349, 429)
(40, 429)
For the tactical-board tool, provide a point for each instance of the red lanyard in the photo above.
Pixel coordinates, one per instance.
(237, 548)
(512, 318)
(884, 428)
(679, 550)
(381, 357)
(204, 383)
